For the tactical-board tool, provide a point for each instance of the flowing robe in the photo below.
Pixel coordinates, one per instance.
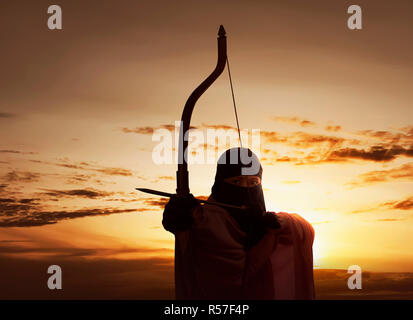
(211, 261)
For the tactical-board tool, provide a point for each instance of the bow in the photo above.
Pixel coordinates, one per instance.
(182, 179)
(182, 176)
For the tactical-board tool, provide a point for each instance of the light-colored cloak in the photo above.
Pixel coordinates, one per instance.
(212, 263)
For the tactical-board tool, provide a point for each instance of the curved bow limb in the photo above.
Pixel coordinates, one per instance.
(182, 177)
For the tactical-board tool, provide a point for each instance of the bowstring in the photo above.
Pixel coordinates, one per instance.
(233, 101)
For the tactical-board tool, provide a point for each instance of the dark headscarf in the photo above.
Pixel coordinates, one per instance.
(237, 162)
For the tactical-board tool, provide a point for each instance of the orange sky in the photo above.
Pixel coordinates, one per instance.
(78, 107)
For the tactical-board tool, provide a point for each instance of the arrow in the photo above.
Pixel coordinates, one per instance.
(169, 195)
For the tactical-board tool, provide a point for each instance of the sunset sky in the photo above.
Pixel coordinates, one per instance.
(79, 106)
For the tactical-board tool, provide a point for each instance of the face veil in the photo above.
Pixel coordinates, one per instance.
(238, 162)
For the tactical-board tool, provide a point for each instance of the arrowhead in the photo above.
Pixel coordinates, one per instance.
(221, 31)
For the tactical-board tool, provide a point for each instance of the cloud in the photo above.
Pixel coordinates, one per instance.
(115, 171)
(10, 207)
(112, 171)
(291, 181)
(156, 202)
(332, 128)
(7, 115)
(218, 126)
(375, 146)
(9, 151)
(150, 130)
(28, 212)
(302, 140)
(16, 151)
(80, 178)
(139, 130)
(389, 220)
(295, 120)
(321, 148)
(406, 204)
(21, 176)
(404, 137)
(166, 178)
(374, 153)
(404, 172)
(26, 216)
(81, 193)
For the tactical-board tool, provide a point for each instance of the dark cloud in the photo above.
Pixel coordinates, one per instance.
(21, 176)
(81, 193)
(322, 148)
(375, 153)
(302, 140)
(27, 216)
(17, 152)
(404, 138)
(31, 201)
(115, 171)
(406, 204)
(307, 140)
(80, 178)
(123, 200)
(404, 172)
(28, 212)
(10, 208)
(171, 127)
(161, 202)
(139, 130)
(156, 202)
(9, 151)
(7, 115)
